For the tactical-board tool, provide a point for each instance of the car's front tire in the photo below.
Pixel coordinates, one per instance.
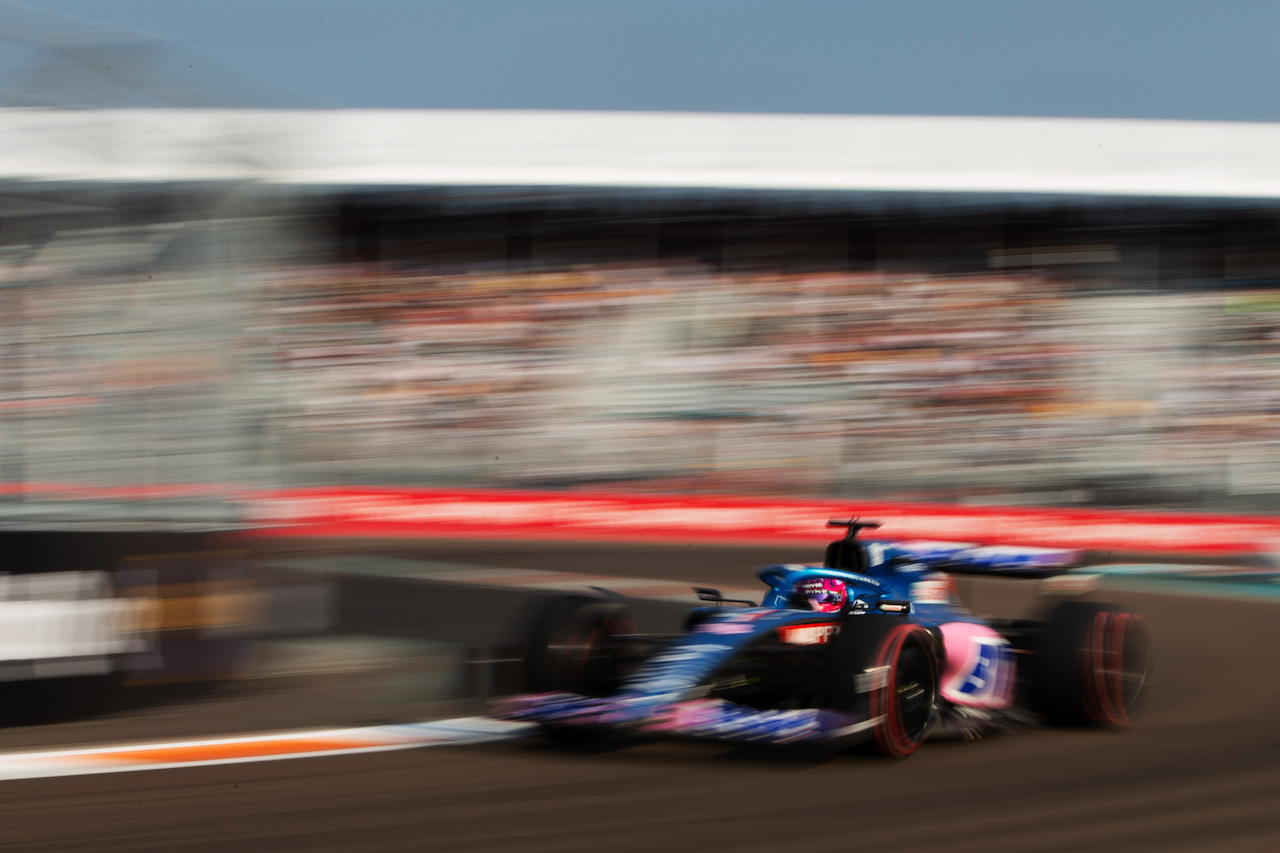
(885, 670)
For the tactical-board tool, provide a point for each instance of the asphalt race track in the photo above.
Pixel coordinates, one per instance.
(1201, 771)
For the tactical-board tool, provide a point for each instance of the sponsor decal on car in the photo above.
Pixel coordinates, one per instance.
(808, 635)
(862, 580)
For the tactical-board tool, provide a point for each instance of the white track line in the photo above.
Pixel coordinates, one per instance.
(254, 748)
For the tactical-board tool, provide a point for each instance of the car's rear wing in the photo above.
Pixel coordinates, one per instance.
(1014, 561)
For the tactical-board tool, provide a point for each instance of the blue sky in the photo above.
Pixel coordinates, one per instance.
(1170, 59)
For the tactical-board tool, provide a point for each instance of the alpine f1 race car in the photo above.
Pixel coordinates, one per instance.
(871, 648)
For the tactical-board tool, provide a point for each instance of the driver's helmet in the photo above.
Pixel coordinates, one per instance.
(826, 595)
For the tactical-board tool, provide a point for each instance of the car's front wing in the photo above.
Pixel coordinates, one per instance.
(702, 719)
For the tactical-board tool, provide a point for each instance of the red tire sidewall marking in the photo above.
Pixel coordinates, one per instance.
(1093, 663)
(1104, 668)
(891, 733)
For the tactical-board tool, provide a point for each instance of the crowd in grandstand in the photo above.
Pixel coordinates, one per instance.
(662, 375)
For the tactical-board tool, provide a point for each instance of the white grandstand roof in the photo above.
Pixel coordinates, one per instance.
(1101, 157)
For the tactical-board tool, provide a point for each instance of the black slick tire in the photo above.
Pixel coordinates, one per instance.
(1092, 665)
(885, 669)
(571, 647)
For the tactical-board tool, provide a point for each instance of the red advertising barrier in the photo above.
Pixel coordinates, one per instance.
(607, 516)
(603, 516)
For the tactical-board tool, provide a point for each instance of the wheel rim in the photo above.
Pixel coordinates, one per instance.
(914, 691)
(1116, 661)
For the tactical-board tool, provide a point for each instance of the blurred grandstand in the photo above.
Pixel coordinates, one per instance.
(1003, 310)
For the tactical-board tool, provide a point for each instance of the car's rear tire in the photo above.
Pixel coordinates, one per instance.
(1092, 665)
(571, 646)
(885, 670)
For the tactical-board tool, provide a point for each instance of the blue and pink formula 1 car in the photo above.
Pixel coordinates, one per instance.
(872, 647)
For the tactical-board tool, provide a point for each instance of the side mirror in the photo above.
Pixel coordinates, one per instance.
(706, 593)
